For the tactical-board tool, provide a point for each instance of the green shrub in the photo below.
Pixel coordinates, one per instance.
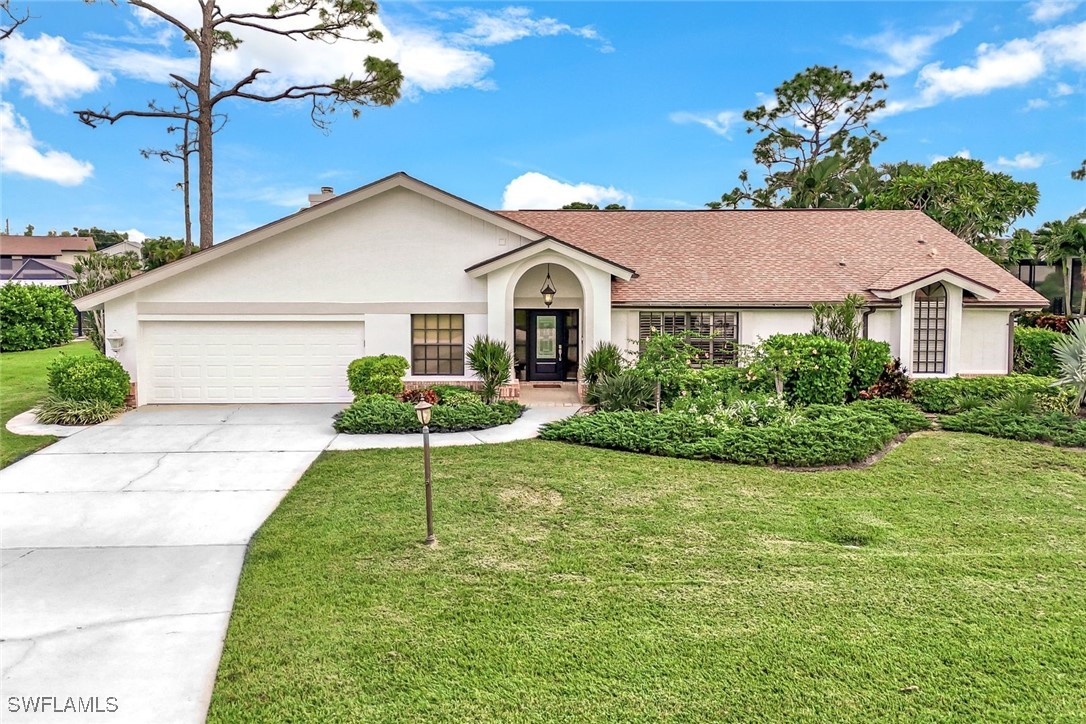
(34, 317)
(1052, 427)
(377, 375)
(868, 364)
(626, 391)
(493, 363)
(809, 369)
(1033, 353)
(1070, 354)
(943, 395)
(90, 378)
(665, 359)
(53, 410)
(820, 435)
(375, 414)
(453, 395)
(902, 415)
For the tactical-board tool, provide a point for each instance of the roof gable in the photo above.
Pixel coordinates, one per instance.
(398, 180)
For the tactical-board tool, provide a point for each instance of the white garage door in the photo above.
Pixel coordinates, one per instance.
(191, 362)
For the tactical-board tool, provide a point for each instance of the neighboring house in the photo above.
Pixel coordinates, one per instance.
(123, 246)
(402, 267)
(41, 259)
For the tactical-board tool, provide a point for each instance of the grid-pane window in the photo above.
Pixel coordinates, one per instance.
(929, 330)
(714, 334)
(437, 344)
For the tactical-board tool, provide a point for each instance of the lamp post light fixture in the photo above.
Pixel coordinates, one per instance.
(422, 412)
(548, 291)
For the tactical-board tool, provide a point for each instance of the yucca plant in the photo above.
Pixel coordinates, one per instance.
(603, 362)
(493, 363)
(1070, 351)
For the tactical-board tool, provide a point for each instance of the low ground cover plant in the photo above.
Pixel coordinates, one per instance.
(1051, 427)
(753, 432)
(83, 390)
(376, 414)
(34, 317)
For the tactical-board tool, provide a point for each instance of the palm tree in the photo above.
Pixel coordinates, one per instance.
(1057, 240)
(1078, 234)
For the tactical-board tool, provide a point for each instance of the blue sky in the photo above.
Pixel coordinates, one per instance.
(533, 105)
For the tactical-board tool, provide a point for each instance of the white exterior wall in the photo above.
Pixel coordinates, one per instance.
(374, 263)
(984, 343)
(758, 324)
(882, 325)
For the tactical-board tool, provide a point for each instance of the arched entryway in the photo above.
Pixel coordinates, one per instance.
(548, 340)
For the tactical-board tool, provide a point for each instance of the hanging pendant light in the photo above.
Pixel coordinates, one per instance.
(548, 291)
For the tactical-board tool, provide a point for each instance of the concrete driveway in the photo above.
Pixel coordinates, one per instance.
(121, 550)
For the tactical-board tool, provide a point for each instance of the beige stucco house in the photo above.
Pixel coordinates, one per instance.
(402, 267)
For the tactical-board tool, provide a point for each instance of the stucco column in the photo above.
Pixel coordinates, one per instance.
(953, 329)
(905, 331)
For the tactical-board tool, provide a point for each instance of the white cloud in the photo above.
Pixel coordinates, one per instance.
(964, 153)
(719, 123)
(1062, 89)
(136, 235)
(514, 23)
(1022, 160)
(24, 155)
(431, 60)
(1036, 104)
(536, 191)
(1045, 11)
(46, 69)
(904, 53)
(1014, 63)
(139, 64)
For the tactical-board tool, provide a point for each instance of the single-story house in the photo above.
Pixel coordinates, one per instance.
(41, 259)
(401, 267)
(122, 247)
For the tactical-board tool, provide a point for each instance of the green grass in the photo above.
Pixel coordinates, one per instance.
(945, 583)
(22, 383)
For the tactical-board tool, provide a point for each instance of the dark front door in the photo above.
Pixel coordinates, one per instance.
(546, 334)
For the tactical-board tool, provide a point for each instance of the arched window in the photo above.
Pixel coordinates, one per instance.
(929, 330)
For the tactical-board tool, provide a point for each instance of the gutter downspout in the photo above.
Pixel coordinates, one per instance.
(1010, 338)
(867, 313)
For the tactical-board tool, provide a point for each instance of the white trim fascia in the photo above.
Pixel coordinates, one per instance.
(981, 291)
(541, 247)
(251, 317)
(398, 180)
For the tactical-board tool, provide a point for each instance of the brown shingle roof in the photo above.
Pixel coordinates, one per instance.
(771, 257)
(11, 245)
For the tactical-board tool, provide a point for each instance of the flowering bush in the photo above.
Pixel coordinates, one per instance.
(806, 369)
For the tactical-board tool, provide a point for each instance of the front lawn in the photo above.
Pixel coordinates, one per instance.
(574, 584)
(23, 382)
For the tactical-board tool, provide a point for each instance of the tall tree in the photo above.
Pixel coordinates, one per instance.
(102, 238)
(820, 113)
(182, 152)
(11, 19)
(161, 251)
(1079, 173)
(978, 205)
(324, 20)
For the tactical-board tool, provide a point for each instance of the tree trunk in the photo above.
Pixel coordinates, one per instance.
(1068, 262)
(204, 121)
(186, 187)
(1082, 293)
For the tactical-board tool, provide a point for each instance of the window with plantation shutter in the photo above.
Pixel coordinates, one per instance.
(929, 330)
(714, 334)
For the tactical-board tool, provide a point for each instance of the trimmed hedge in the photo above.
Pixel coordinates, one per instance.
(376, 414)
(942, 395)
(34, 317)
(824, 434)
(868, 363)
(1051, 427)
(1033, 351)
(815, 370)
(377, 375)
(92, 378)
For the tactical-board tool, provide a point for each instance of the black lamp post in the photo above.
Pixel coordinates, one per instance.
(422, 411)
(548, 291)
